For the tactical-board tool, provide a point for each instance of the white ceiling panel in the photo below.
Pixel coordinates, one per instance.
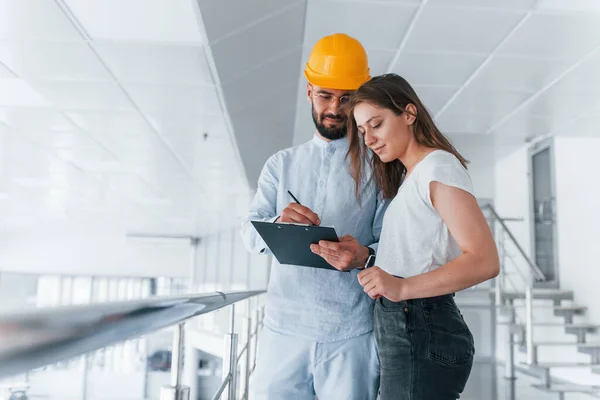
(110, 121)
(264, 82)
(18, 93)
(256, 45)
(241, 14)
(464, 123)
(524, 125)
(434, 97)
(496, 103)
(84, 95)
(585, 126)
(357, 20)
(564, 36)
(497, 4)
(153, 99)
(379, 60)
(49, 61)
(443, 28)
(6, 73)
(40, 20)
(561, 105)
(138, 20)
(436, 68)
(155, 63)
(35, 119)
(570, 5)
(185, 125)
(519, 73)
(584, 78)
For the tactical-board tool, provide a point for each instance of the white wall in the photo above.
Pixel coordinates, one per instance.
(578, 230)
(478, 149)
(578, 218)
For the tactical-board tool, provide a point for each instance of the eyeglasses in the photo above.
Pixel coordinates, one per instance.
(326, 99)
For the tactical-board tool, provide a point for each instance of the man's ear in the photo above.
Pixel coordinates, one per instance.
(309, 92)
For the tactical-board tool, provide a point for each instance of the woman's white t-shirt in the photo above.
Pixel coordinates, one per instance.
(414, 238)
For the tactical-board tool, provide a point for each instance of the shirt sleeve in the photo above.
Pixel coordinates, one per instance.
(451, 174)
(262, 208)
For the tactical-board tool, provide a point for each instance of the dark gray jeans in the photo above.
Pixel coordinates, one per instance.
(425, 349)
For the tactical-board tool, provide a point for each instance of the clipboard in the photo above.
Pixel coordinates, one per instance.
(290, 243)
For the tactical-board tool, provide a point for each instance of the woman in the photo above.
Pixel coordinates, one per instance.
(434, 241)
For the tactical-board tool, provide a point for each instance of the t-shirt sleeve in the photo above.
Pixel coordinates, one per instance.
(452, 174)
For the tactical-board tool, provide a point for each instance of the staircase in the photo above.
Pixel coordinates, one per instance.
(571, 336)
(529, 315)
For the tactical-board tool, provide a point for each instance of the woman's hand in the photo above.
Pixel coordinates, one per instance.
(378, 283)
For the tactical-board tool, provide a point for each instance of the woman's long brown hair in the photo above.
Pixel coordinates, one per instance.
(393, 92)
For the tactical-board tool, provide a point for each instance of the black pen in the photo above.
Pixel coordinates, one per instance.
(293, 197)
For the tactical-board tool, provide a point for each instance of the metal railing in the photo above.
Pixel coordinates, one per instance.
(528, 278)
(38, 337)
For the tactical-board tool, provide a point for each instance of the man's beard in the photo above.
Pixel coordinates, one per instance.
(332, 133)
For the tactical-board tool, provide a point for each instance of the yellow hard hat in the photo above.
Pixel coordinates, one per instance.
(338, 62)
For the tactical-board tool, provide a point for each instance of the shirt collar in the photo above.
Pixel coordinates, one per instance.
(319, 141)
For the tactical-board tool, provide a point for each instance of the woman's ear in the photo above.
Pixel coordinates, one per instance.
(410, 114)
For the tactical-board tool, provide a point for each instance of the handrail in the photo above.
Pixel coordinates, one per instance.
(44, 336)
(535, 269)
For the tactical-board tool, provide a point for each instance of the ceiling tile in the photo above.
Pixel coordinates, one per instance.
(434, 97)
(139, 20)
(585, 126)
(18, 93)
(571, 5)
(503, 4)
(524, 125)
(220, 21)
(356, 19)
(379, 61)
(438, 30)
(256, 45)
(186, 125)
(565, 36)
(519, 73)
(437, 68)
(584, 78)
(84, 95)
(110, 121)
(244, 91)
(39, 20)
(6, 73)
(156, 64)
(464, 123)
(154, 99)
(53, 61)
(497, 103)
(35, 119)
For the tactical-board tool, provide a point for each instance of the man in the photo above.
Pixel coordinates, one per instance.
(318, 336)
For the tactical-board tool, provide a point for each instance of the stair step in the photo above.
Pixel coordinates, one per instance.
(547, 365)
(573, 308)
(568, 388)
(542, 294)
(560, 344)
(554, 324)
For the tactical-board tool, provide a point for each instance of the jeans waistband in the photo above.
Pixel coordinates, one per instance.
(389, 303)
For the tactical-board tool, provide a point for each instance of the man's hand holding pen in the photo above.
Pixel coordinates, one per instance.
(299, 214)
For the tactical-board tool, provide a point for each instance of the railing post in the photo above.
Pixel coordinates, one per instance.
(230, 358)
(247, 368)
(509, 371)
(176, 391)
(531, 356)
(257, 318)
